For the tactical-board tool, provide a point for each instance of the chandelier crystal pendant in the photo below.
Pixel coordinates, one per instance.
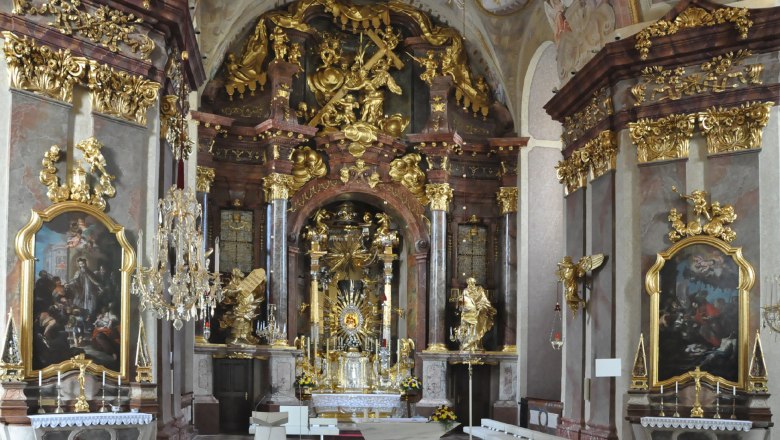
(178, 286)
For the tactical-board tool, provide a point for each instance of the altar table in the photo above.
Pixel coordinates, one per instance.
(710, 428)
(403, 429)
(356, 404)
(118, 425)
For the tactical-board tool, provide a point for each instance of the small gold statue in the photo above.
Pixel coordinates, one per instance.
(570, 274)
(241, 294)
(476, 316)
(82, 363)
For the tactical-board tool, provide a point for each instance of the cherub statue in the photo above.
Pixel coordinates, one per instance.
(570, 275)
(280, 43)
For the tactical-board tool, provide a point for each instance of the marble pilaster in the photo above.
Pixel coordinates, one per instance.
(440, 195)
(434, 379)
(277, 193)
(282, 376)
(507, 197)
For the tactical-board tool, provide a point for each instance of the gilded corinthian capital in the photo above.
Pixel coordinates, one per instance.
(439, 195)
(204, 177)
(507, 199)
(277, 186)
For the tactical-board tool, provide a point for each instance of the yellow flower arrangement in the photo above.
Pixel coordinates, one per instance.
(444, 414)
(411, 383)
(304, 380)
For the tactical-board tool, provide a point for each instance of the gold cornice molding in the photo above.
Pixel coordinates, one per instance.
(277, 186)
(204, 178)
(693, 17)
(105, 26)
(507, 199)
(735, 128)
(40, 69)
(665, 138)
(597, 157)
(119, 93)
(439, 196)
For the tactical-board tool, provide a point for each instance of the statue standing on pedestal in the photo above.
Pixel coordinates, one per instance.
(476, 316)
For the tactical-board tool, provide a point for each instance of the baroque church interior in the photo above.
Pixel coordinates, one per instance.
(490, 219)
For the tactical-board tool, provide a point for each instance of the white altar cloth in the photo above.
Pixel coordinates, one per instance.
(403, 429)
(88, 419)
(355, 403)
(699, 424)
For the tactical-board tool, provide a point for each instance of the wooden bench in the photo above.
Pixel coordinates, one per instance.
(494, 430)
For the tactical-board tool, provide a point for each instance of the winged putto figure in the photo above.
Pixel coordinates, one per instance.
(570, 274)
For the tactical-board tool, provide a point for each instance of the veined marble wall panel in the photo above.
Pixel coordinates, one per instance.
(601, 303)
(36, 123)
(732, 179)
(656, 198)
(574, 374)
(545, 248)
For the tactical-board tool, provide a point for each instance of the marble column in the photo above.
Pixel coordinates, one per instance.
(440, 196)
(507, 201)
(204, 178)
(277, 191)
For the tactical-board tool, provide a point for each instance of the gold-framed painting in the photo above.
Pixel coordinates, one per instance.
(75, 288)
(699, 297)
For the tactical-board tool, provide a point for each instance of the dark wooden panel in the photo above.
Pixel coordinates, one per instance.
(233, 388)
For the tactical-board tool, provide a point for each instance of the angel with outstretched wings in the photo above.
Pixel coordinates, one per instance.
(570, 273)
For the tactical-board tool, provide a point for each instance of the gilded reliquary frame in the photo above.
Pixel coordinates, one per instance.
(699, 296)
(75, 289)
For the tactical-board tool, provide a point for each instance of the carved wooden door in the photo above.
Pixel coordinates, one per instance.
(233, 388)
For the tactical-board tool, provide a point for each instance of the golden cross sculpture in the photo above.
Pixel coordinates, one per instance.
(381, 53)
(697, 410)
(81, 403)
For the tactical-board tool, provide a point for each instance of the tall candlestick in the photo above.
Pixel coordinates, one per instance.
(216, 255)
(662, 389)
(717, 388)
(733, 391)
(104, 378)
(40, 378)
(119, 381)
(676, 389)
(59, 378)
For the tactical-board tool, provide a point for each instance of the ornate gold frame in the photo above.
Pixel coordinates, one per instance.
(746, 280)
(25, 250)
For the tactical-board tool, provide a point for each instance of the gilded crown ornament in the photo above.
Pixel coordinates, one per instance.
(77, 187)
(717, 219)
(571, 274)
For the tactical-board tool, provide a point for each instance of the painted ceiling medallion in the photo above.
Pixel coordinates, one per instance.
(502, 7)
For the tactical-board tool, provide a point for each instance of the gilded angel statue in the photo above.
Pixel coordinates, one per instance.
(570, 274)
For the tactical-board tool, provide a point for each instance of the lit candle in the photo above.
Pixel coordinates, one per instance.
(59, 378)
(676, 389)
(119, 381)
(40, 378)
(662, 389)
(717, 388)
(104, 378)
(733, 391)
(216, 255)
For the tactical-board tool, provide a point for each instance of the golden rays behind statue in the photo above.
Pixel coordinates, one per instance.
(570, 274)
(350, 317)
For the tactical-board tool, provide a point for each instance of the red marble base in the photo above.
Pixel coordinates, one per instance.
(571, 429)
(13, 404)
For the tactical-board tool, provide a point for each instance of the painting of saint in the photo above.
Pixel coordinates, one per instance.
(698, 319)
(77, 292)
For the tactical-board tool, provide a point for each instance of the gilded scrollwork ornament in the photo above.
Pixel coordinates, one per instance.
(247, 72)
(736, 128)
(307, 165)
(105, 26)
(664, 138)
(439, 196)
(276, 186)
(572, 172)
(40, 69)
(204, 178)
(359, 172)
(121, 94)
(690, 18)
(406, 171)
(717, 219)
(721, 73)
(598, 108)
(77, 186)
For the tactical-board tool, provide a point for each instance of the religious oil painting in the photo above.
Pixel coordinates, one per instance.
(701, 290)
(77, 263)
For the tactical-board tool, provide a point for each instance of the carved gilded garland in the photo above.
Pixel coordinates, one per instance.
(663, 138)
(104, 26)
(507, 199)
(724, 72)
(121, 94)
(439, 196)
(599, 108)
(595, 158)
(690, 18)
(40, 69)
(735, 128)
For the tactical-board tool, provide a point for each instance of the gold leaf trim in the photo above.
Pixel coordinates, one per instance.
(735, 128)
(121, 94)
(277, 186)
(721, 73)
(105, 26)
(665, 138)
(690, 18)
(507, 199)
(597, 157)
(598, 109)
(204, 178)
(439, 196)
(42, 70)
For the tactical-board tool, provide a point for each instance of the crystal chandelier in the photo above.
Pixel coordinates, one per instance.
(556, 331)
(186, 289)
